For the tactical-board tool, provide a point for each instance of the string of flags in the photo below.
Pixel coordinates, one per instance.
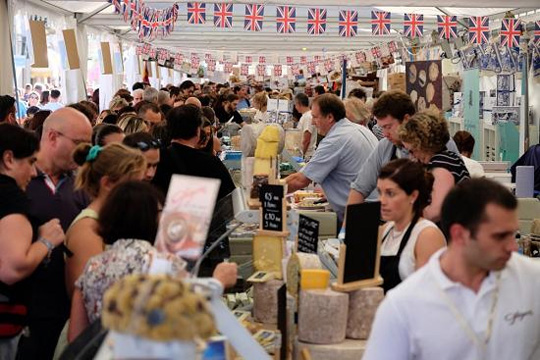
(150, 23)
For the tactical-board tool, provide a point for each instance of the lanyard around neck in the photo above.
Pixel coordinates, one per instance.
(464, 324)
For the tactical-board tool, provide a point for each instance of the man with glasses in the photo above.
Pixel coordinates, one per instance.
(391, 110)
(52, 195)
(149, 146)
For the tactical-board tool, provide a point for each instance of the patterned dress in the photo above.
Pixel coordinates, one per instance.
(124, 257)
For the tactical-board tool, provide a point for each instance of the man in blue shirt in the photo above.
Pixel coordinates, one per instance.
(243, 93)
(338, 157)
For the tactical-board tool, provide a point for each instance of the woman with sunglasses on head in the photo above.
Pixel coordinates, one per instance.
(101, 170)
(149, 147)
(408, 239)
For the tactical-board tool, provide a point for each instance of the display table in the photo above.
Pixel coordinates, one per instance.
(347, 350)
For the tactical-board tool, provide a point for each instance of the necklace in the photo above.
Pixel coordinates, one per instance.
(465, 326)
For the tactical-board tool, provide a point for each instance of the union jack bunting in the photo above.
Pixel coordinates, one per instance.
(223, 16)
(376, 52)
(317, 58)
(328, 65)
(248, 59)
(196, 13)
(478, 29)
(139, 50)
(152, 53)
(360, 57)
(285, 19)
(380, 22)
(262, 59)
(316, 21)
(295, 69)
(195, 60)
(261, 70)
(179, 59)
(211, 64)
(303, 60)
(227, 67)
(278, 70)
(447, 27)
(510, 32)
(289, 60)
(311, 67)
(244, 70)
(254, 17)
(348, 23)
(163, 55)
(392, 46)
(537, 32)
(413, 25)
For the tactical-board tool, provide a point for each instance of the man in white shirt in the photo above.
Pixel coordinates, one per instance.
(465, 143)
(54, 104)
(477, 299)
(306, 126)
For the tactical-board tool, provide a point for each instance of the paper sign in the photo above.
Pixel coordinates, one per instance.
(106, 60)
(71, 49)
(39, 44)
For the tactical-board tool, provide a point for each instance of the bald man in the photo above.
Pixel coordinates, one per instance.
(193, 100)
(51, 196)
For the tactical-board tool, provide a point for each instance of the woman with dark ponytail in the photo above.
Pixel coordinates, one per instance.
(408, 239)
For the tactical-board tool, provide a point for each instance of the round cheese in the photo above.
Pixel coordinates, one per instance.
(265, 302)
(347, 350)
(363, 305)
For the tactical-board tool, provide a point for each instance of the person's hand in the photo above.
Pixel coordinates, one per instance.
(226, 273)
(52, 231)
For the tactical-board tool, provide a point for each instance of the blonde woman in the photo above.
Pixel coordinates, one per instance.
(357, 111)
(260, 102)
(131, 123)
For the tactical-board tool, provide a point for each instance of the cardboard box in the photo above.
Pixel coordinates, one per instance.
(396, 81)
(285, 106)
(273, 105)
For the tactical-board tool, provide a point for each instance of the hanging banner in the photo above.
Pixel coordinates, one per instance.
(228, 67)
(39, 44)
(261, 70)
(71, 49)
(244, 70)
(278, 70)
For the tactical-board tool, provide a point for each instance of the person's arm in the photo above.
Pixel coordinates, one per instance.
(444, 181)
(18, 256)
(78, 319)
(226, 273)
(355, 197)
(366, 180)
(429, 241)
(306, 140)
(389, 337)
(296, 181)
(84, 242)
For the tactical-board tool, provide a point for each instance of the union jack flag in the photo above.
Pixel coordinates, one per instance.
(289, 60)
(316, 21)
(211, 65)
(254, 17)
(153, 53)
(360, 57)
(139, 50)
(311, 67)
(178, 59)
(248, 59)
(244, 70)
(413, 25)
(207, 56)
(295, 69)
(376, 52)
(380, 22)
(227, 67)
(261, 70)
(317, 58)
(195, 61)
(303, 60)
(478, 29)
(328, 65)
(510, 32)
(286, 19)
(348, 23)
(223, 15)
(196, 13)
(262, 59)
(447, 27)
(537, 32)
(392, 46)
(278, 70)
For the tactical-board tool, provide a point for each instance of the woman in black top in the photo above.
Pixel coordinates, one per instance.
(19, 256)
(425, 136)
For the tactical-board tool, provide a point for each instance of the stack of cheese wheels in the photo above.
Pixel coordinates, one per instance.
(298, 262)
(322, 316)
(265, 301)
(363, 304)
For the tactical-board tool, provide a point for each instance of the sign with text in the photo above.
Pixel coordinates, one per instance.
(271, 197)
(308, 234)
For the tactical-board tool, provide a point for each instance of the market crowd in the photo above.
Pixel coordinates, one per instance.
(81, 189)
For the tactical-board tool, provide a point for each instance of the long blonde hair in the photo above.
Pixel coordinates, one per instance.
(114, 160)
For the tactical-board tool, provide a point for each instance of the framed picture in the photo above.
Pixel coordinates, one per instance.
(505, 114)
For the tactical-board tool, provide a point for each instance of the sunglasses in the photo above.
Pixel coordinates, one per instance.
(144, 146)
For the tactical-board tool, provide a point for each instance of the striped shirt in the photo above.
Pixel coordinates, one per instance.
(452, 162)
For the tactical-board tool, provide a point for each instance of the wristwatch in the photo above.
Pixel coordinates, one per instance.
(50, 247)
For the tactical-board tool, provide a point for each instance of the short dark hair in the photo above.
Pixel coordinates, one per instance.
(209, 113)
(32, 110)
(130, 212)
(466, 204)
(148, 106)
(394, 103)
(330, 104)
(319, 89)
(410, 176)
(464, 141)
(302, 99)
(358, 93)
(184, 121)
(110, 119)
(103, 130)
(186, 85)
(55, 94)
(86, 110)
(161, 132)
(133, 141)
(7, 106)
(231, 97)
(137, 85)
(22, 143)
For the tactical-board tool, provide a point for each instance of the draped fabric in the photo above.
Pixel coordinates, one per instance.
(6, 55)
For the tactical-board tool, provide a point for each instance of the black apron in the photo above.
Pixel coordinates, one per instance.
(389, 268)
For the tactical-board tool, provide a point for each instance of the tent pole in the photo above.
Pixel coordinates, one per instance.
(10, 34)
(343, 78)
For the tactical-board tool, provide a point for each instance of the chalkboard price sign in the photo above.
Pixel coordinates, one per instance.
(308, 234)
(271, 197)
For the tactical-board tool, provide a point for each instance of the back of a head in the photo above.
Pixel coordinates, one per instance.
(358, 110)
(193, 101)
(103, 130)
(410, 176)
(330, 104)
(137, 85)
(209, 113)
(45, 94)
(231, 97)
(85, 110)
(130, 212)
(141, 140)
(115, 161)
(145, 106)
(161, 132)
(466, 204)
(7, 106)
(302, 99)
(124, 94)
(55, 94)
(187, 84)
(319, 90)
(464, 141)
(426, 131)
(151, 94)
(22, 143)
(394, 103)
(163, 97)
(131, 123)
(117, 103)
(183, 122)
(261, 99)
(358, 93)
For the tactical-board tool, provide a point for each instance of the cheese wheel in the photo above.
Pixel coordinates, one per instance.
(322, 316)
(314, 279)
(347, 350)
(265, 301)
(363, 305)
(268, 253)
(298, 262)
